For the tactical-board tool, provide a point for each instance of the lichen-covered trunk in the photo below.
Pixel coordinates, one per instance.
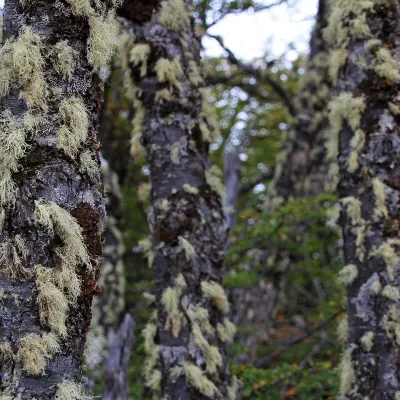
(51, 207)
(365, 116)
(187, 337)
(108, 306)
(302, 170)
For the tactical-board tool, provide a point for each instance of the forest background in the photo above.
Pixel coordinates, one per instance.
(285, 307)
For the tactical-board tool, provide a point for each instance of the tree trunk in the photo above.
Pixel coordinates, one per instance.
(302, 169)
(365, 116)
(186, 339)
(51, 207)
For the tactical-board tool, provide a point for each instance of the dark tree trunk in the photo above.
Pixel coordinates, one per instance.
(187, 337)
(365, 116)
(51, 208)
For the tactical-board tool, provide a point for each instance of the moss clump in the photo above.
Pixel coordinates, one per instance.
(215, 291)
(169, 71)
(53, 305)
(174, 15)
(21, 62)
(102, 40)
(64, 63)
(348, 274)
(139, 56)
(70, 390)
(35, 351)
(75, 124)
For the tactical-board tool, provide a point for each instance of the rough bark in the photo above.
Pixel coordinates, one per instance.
(109, 305)
(51, 207)
(186, 339)
(302, 169)
(117, 362)
(365, 117)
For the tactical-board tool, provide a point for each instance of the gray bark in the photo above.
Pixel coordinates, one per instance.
(187, 220)
(365, 116)
(117, 362)
(57, 178)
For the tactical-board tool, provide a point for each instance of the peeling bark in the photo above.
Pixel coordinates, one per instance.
(51, 174)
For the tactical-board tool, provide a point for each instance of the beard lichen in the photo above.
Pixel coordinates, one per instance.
(174, 15)
(139, 56)
(70, 390)
(35, 350)
(74, 128)
(215, 292)
(64, 63)
(169, 71)
(13, 256)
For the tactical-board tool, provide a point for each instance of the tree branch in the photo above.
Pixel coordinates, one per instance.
(259, 75)
(246, 187)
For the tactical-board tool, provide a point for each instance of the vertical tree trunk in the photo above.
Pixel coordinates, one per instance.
(302, 170)
(365, 116)
(51, 208)
(187, 336)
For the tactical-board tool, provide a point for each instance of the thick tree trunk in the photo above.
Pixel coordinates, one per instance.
(302, 170)
(51, 208)
(187, 337)
(365, 116)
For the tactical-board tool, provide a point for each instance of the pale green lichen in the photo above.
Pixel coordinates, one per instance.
(53, 305)
(214, 179)
(388, 254)
(197, 378)
(170, 300)
(367, 341)
(347, 376)
(35, 351)
(145, 244)
(22, 63)
(357, 143)
(152, 349)
(392, 324)
(376, 287)
(233, 388)
(199, 315)
(163, 95)
(102, 40)
(72, 253)
(378, 188)
(74, 129)
(215, 291)
(13, 256)
(144, 191)
(89, 164)
(211, 353)
(226, 331)
(169, 71)
(187, 247)
(387, 66)
(209, 125)
(194, 73)
(391, 293)
(139, 55)
(70, 390)
(343, 329)
(190, 189)
(174, 15)
(81, 7)
(348, 274)
(64, 61)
